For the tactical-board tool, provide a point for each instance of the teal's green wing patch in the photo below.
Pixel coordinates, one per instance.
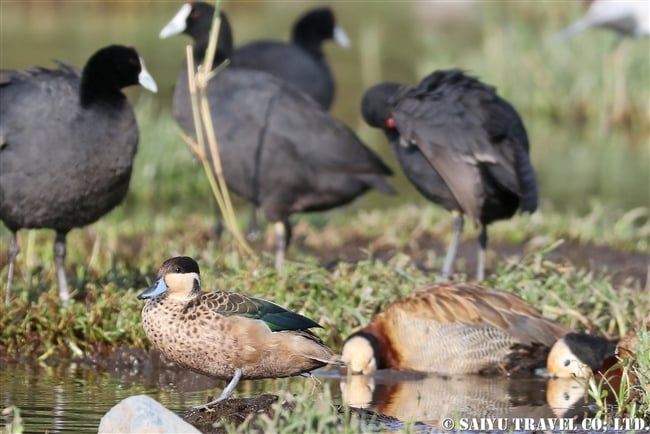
(276, 317)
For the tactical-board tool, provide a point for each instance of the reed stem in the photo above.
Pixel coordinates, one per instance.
(206, 147)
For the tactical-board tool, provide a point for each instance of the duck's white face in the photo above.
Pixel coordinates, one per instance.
(562, 363)
(359, 356)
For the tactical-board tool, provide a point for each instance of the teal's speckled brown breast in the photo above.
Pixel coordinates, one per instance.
(195, 336)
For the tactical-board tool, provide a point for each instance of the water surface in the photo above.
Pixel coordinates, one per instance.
(69, 398)
(72, 398)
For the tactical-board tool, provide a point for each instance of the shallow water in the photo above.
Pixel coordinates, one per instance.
(69, 398)
(74, 397)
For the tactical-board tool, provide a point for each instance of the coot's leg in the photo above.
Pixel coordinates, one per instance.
(59, 258)
(453, 246)
(217, 229)
(253, 231)
(283, 234)
(12, 252)
(482, 243)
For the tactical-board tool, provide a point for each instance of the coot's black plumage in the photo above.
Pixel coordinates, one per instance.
(67, 143)
(278, 148)
(461, 145)
(302, 61)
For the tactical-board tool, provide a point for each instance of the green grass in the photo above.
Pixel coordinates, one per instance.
(592, 163)
(14, 425)
(108, 267)
(631, 396)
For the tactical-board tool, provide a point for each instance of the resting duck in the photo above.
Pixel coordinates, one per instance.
(454, 328)
(225, 334)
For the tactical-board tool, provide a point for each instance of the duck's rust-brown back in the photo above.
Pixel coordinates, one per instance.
(462, 328)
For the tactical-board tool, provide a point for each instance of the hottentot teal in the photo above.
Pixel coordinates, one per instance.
(225, 334)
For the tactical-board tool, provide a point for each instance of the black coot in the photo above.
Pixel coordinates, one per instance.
(302, 61)
(278, 148)
(67, 143)
(461, 145)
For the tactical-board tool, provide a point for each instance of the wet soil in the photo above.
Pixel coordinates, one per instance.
(624, 268)
(236, 411)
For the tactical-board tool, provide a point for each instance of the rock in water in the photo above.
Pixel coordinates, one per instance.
(142, 414)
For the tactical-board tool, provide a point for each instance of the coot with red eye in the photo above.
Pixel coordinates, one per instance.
(461, 145)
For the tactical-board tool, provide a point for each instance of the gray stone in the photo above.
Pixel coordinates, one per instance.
(142, 414)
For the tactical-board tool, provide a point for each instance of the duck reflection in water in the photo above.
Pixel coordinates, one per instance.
(430, 398)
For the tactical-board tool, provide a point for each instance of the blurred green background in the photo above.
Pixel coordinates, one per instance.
(585, 101)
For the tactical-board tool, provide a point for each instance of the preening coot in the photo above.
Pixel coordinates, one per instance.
(461, 145)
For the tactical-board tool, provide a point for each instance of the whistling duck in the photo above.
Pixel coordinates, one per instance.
(455, 328)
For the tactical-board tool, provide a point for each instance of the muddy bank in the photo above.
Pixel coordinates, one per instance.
(236, 411)
(624, 268)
